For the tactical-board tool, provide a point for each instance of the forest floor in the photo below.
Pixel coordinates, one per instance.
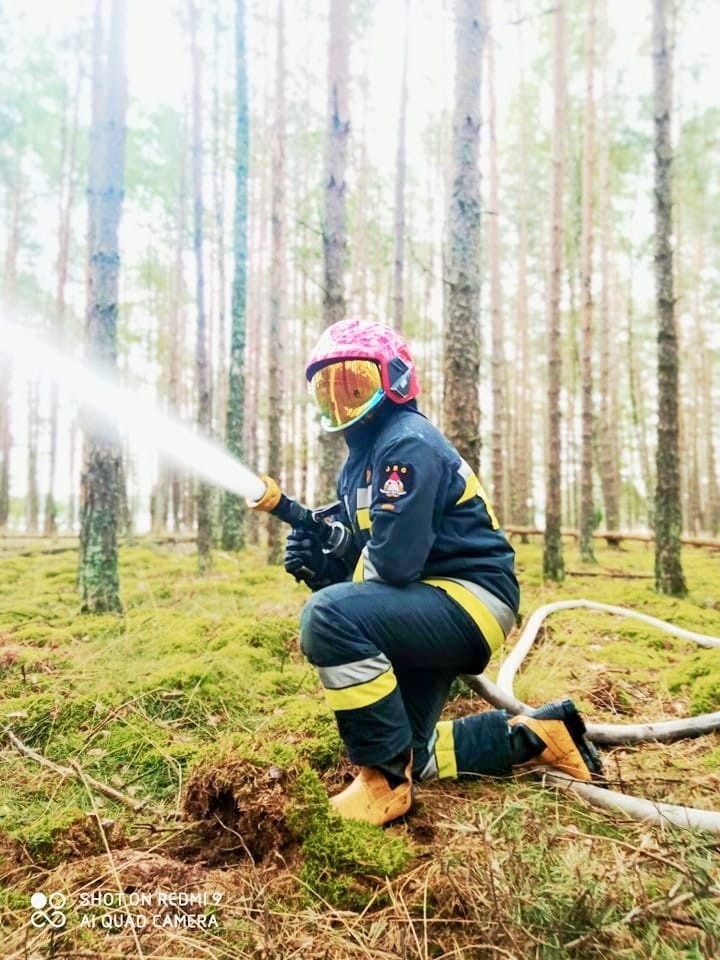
(195, 704)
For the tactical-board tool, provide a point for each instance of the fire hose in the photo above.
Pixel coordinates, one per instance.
(334, 538)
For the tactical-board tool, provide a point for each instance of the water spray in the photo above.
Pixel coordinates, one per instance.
(134, 414)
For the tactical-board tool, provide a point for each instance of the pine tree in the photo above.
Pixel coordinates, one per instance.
(98, 569)
(553, 566)
(461, 407)
(334, 226)
(233, 528)
(669, 577)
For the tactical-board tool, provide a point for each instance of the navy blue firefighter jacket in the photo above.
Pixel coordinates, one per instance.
(418, 512)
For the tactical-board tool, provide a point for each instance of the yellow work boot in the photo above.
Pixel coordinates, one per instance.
(372, 798)
(555, 735)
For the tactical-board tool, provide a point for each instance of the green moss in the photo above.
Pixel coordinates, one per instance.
(342, 859)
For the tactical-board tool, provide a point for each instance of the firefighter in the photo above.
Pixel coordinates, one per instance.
(426, 591)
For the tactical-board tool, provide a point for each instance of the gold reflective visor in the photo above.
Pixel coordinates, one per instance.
(346, 390)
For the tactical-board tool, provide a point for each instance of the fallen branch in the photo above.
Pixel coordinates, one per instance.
(607, 573)
(74, 772)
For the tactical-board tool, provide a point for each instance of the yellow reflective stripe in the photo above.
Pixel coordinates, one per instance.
(491, 629)
(473, 488)
(445, 750)
(359, 571)
(362, 694)
(363, 518)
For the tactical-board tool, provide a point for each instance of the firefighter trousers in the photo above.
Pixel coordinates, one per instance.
(387, 656)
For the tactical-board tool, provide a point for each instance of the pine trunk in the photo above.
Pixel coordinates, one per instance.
(400, 178)
(498, 372)
(68, 140)
(101, 482)
(608, 455)
(334, 227)
(669, 577)
(202, 373)
(553, 565)
(233, 511)
(277, 287)
(461, 406)
(587, 507)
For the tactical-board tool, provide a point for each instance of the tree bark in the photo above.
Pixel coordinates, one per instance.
(669, 577)
(68, 152)
(461, 407)
(334, 227)
(98, 571)
(277, 286)
(400, 178)
(553, 564)
(202, 373)
(607, 446)
(498, 371)
(233, 510)
(587, 507)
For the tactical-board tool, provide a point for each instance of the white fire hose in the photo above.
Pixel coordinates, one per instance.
(501, 695)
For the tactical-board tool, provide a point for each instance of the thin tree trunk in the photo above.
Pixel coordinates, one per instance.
(608, 455)
(334, 227)
(277, 285)
(461, 406)
(498, 372)
(32, 502)
(233, 527)
(68, 140)
(587, 507)
(203, 498)
(553, 565)
(669, 577)
(101, 483)
(400, 178)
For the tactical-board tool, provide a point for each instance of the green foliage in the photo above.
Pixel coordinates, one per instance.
(340, 856)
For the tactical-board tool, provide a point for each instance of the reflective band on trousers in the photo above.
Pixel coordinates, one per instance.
(351, 686)
(488, 624)
(445, 750)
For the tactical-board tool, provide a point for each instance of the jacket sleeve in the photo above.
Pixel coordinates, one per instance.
(409, 485)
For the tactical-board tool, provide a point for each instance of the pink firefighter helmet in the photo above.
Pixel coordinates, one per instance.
(368, 340)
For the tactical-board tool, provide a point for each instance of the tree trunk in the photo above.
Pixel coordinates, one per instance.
(277, 287)
(233, 527)
(461, 406)
(32, 501)
(202, 373)
(608, 455)
(498, 372)
(669, 577)
(334, 227)
(98, 572)
(587, 507)
(553, 565)
(68, 140)
(400, 178)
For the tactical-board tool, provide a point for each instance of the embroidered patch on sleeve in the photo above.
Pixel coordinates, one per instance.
(395, 480)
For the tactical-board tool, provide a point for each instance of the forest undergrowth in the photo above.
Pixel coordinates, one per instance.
(196, 707)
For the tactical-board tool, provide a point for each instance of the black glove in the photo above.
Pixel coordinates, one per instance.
(305, 560)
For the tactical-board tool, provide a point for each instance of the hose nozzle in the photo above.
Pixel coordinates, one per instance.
(270, 499)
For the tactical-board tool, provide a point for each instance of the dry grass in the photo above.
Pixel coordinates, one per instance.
(498, 869)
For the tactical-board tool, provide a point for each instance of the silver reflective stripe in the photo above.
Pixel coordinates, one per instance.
(364, 497)
(501, 611)
(430, 770)
(465, 470)
(369, 571)
(351, 674)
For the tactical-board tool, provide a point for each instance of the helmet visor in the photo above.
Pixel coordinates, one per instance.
(345, 391)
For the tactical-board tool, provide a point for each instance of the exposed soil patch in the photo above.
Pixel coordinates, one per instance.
(241, 813)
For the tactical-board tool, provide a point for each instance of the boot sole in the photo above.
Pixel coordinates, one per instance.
(566, 711)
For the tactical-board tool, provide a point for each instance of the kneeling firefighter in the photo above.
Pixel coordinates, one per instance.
(426, 590)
